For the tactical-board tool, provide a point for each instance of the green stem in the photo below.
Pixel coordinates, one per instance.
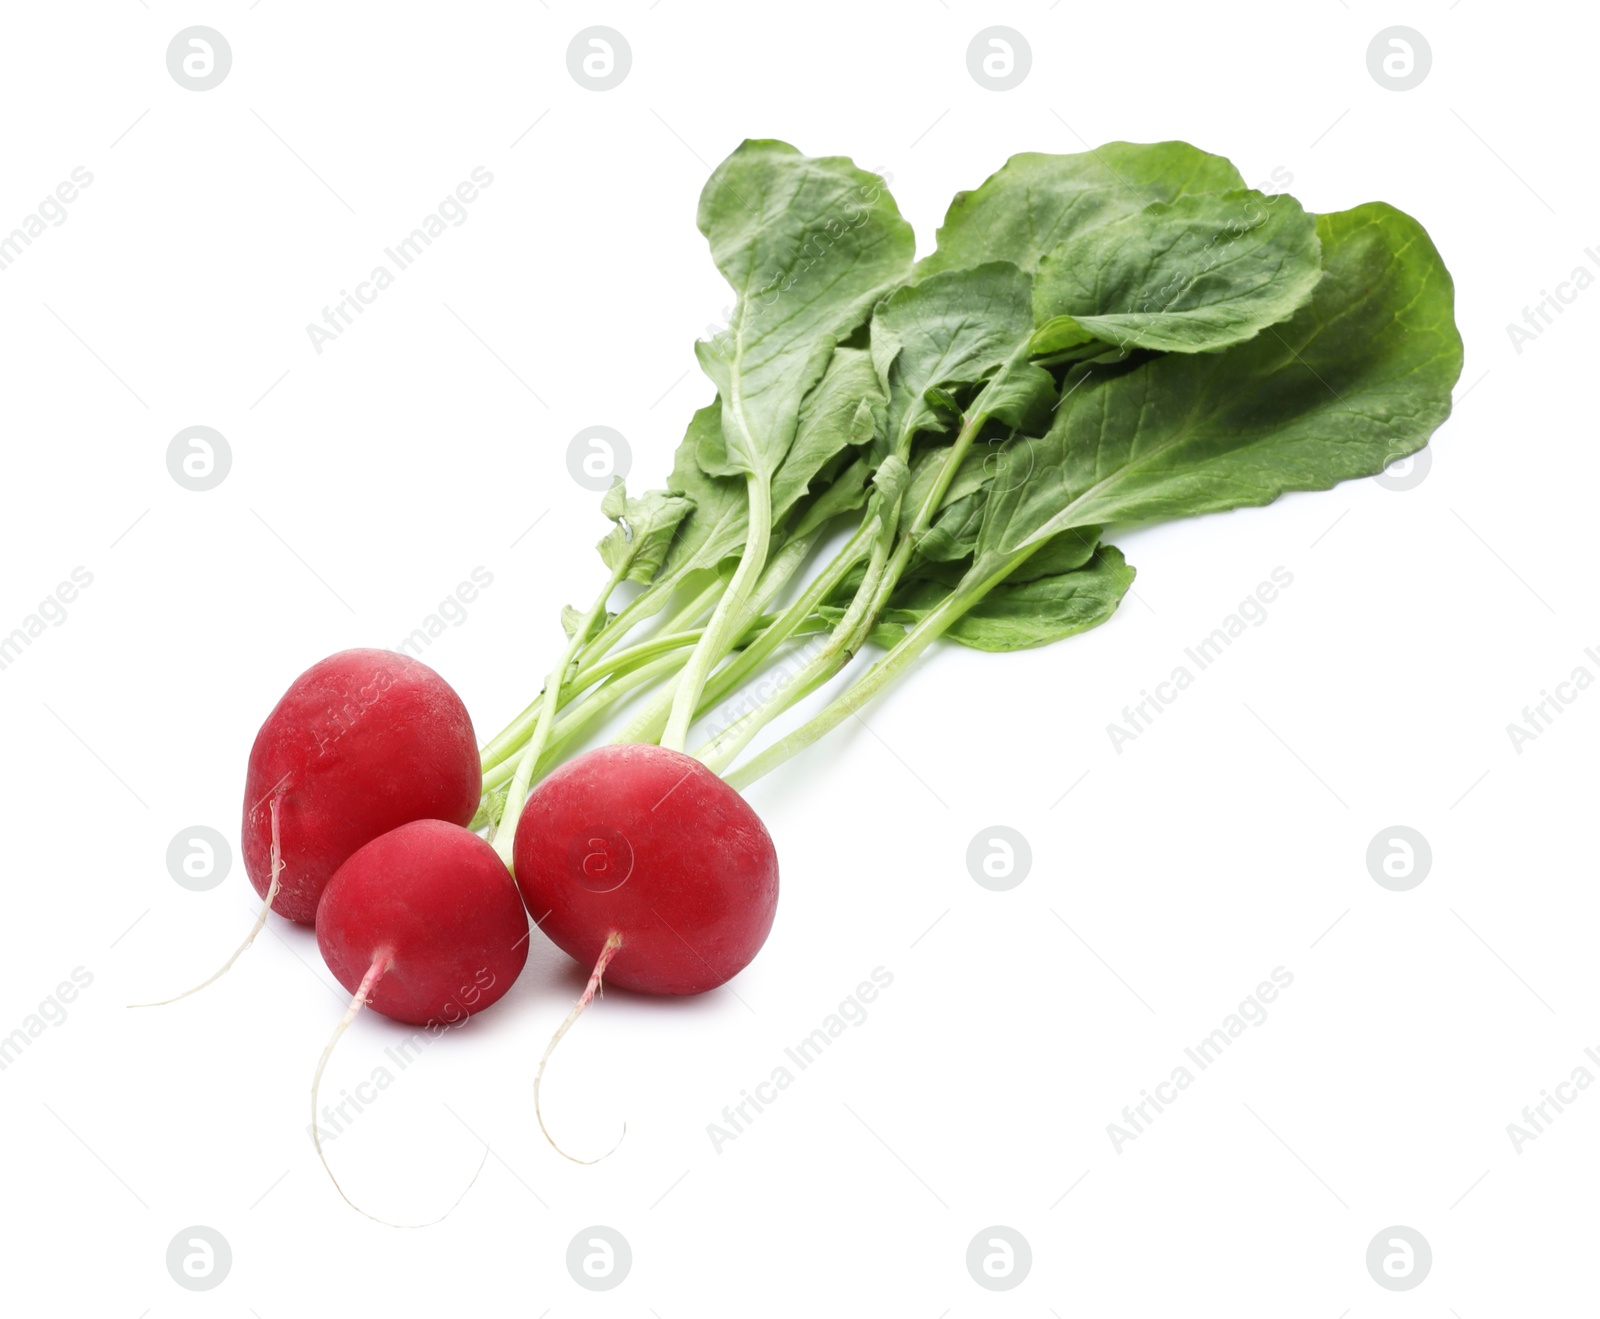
(730, 618)
(597, 661)
(871, 597)
(878, 677)
(841, 645)
(516, 795)
(794, 617)
(622, 679)
(575, 720)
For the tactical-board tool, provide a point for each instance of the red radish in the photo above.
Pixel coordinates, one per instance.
(641, 862)
(424, 925)
(362, 742)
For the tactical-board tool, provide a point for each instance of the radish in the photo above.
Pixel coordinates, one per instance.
(423, 925)
(973, 421)
(639, 861)
(362, 742)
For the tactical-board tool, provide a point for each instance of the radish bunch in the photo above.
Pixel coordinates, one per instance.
(898, 451)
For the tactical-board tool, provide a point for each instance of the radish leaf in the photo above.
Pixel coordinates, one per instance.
(1193, 275)
(1034, 202)
(1359, 377)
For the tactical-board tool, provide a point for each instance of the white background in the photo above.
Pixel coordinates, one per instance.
(1230, 839)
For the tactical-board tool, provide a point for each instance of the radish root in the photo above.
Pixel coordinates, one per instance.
(260, 921)
(613, 942)
(363, 996)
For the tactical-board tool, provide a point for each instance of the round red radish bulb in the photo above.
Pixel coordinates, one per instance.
(425, 922)
(362, 742)
(647, 853)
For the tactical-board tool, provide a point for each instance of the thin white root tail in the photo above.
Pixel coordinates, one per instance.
(363, 996)
(613, 942)
(260, 921)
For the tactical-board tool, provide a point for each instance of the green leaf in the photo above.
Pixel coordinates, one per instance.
(1015, 615)
(954, 533)
(845, 493)
(1035, 201)
(1021, 615)
(808, 246)
(571, 617)
(636, 546)
(840, 413)
(956, 328)
(1193, 275)
(715, 527)
(1066, 551)
(891, 479)
(1358, 377)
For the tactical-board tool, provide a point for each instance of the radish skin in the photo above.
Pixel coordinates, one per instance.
(362, 742)
(649, 844)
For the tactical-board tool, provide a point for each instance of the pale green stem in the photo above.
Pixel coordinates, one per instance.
(596, 661)
(517, 794)
(730, 618)
(875, 679)
(841, 645)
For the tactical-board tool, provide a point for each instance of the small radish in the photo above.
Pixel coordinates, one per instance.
(425, 926)
(640, 862)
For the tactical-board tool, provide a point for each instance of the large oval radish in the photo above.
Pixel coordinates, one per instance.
(640, 862)
(648, 848)
(362, 742)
